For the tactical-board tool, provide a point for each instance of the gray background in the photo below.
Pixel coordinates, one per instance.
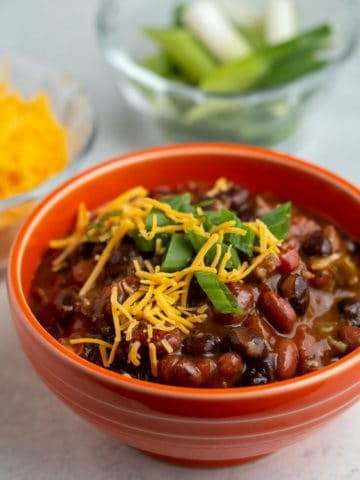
(39, 437)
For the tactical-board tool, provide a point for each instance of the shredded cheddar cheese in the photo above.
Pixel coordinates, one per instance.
(32, 142)
(161, 300)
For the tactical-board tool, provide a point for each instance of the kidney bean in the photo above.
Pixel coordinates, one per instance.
(161, 191)
(124, 284)
(140, 333)
(287, 358)
(350, 335)
(229, 369)
(208, 369)
(173, 338)
(187, 373)
(317, 244)
(81, 271)
(78, 327)
(244, 294)
(277, 310)
(166, 368)
(289, 261)
(201, 343)
(246, 342)
(77, 348)
(322, 280)
(295, 289)
(313, 353)
(302, 226)
(350, 308)
(96, 304)
(262, 329)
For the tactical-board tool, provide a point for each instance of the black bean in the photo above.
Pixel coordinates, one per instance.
(248, 215)
(245, 341)
(317, 244)
(64, 304)
(89, 249)
(238, 198)
(201, 344)
(350, 308)
(260, 373)
(295, 289)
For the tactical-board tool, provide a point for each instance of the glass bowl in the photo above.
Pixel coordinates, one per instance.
(266, 117)
(74, 112)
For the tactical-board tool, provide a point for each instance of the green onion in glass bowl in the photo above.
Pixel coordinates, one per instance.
(248, 74)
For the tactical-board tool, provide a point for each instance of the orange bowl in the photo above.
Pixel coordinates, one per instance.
(202, 427)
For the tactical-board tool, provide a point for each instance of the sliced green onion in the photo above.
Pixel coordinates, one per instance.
(242, 13)
(278, 220)
(180, 202)
(197, 241)
(209, 24)
(291, 70)
(306, 42)
(244, 74)
(178, 14)
(217, 292)
(157, 63)
(93, 231)
(184, 52)
(244, 243)
(143, 244)
(178, 254)
(255, 36)
(161, 218)
(205, 203)
(281, 21)
(235, 76)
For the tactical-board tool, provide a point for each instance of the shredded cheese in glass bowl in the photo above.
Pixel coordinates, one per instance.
(46, 127)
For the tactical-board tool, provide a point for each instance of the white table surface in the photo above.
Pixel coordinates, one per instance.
(39, 437)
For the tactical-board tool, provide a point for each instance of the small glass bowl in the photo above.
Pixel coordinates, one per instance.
(74, 112)
(266, 117)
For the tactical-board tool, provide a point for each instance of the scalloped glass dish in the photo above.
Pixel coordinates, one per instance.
(72, 108)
